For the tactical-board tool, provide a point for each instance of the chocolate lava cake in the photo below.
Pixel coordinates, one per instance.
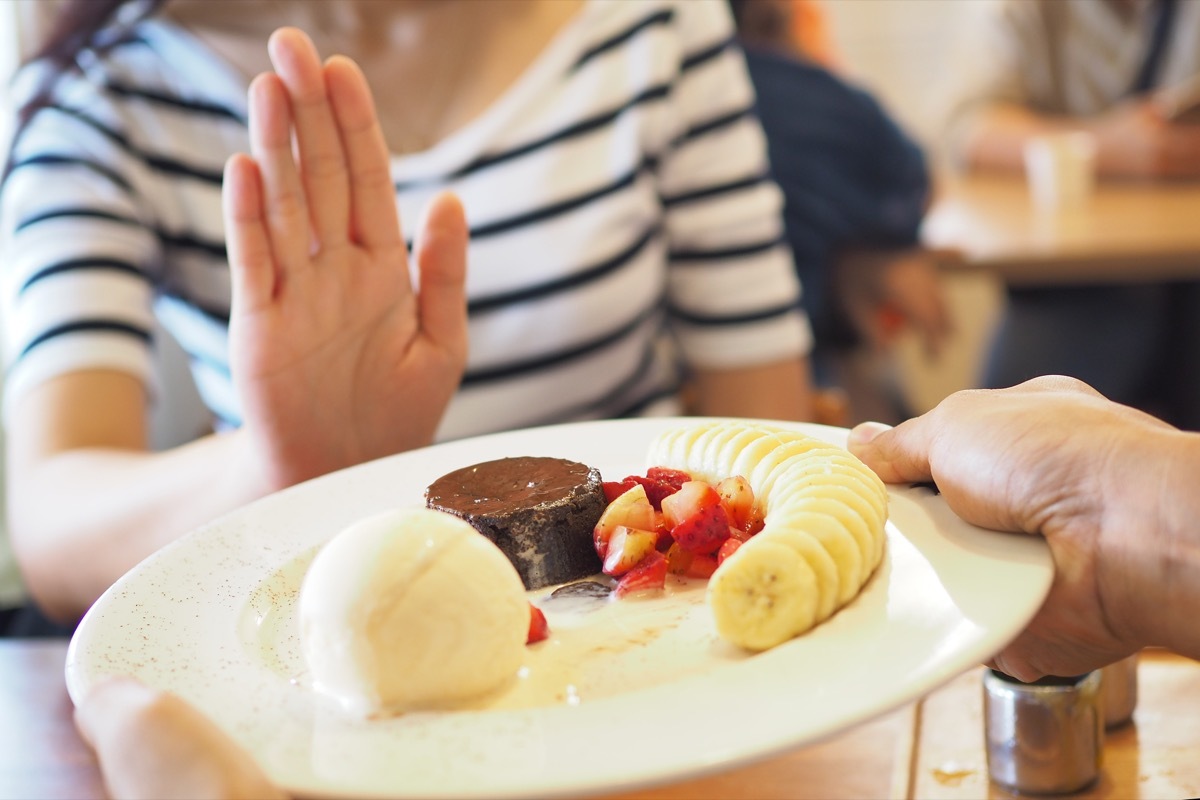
(539, 511)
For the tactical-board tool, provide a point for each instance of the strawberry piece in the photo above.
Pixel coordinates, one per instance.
(655, 490)
(701, 566)
(728, 548)
(690, 498)
(739, 534)
(697, 518)
(631, 509)
(665, 540)
(650, 573)
(678, 559)
(626, 548)
(614, 489)
(661, 482)
(738, 499)
(671, 477)
(539, 629)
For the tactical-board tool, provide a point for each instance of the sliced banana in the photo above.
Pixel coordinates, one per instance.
(768, 596)
(817, 555)
(842, 547)
(823, 533)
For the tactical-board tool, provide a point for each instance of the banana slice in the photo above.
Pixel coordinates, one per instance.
(841, 546)
(768, 596)
(829, 581)
(823, 529)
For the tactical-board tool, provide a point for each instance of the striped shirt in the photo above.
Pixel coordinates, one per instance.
(622, 226)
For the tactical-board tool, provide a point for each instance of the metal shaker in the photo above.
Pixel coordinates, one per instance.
(1119, 685)
(1045, 737)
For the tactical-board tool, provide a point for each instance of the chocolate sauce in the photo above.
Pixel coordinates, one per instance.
(496, 487)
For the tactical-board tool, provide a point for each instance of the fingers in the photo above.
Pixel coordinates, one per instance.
(283, 193)
(441, 254)
(152, 744)
(374, 221)
(246, 236)
(318, 143)
(1055, 383)
(897, 455)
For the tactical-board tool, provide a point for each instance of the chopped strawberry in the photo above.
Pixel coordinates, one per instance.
(702, 566)
(665, 540)
(614, 489)
(626, 548)
(697, 518)
(692, 498)
(667, 482)
(539, 629)
(675, 477)
(739, 534)
(631, 509)
(651, 573)
(738, 499)
(678, 559)
(728, 547)
(655, 490)
(665, 521)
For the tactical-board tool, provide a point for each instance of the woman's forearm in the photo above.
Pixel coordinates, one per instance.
(994, 138)
(780, 390)
(82, 518)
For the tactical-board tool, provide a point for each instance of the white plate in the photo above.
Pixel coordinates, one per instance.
(625, 694)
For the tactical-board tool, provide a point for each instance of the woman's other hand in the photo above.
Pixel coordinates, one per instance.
(336, 356)
(153, 745)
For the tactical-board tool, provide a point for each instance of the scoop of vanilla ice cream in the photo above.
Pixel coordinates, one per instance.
(411, 609)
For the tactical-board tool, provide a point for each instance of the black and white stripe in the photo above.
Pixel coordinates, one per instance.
(618, 215)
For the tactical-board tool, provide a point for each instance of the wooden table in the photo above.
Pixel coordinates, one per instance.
(1127, 232)
(931, 749)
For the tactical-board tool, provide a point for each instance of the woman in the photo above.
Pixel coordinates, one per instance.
(620, 228)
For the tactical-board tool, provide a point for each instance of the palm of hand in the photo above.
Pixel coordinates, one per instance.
(336, 359)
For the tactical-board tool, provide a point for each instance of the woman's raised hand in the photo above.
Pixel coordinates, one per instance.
(336, 356)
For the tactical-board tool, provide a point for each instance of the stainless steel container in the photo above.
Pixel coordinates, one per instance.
(1045, 737)
(1119, 685)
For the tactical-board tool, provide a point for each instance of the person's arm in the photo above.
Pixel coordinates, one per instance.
(335, 357)
(1004, 94)
(782, 390)
(1112, 489)
(1133, 140)
(732, 291)
(87, 501)
(882, 289)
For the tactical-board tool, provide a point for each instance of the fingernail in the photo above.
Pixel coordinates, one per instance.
(864, 433)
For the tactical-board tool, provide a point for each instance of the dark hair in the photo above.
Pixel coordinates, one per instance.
(77, 27)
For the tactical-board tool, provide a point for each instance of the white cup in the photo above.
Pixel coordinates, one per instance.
(1060, 169)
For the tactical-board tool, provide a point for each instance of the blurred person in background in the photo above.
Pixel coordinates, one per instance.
(597, 164)
(1036, 67)
(856, 189)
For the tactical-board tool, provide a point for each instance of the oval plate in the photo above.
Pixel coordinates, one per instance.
(625, 694)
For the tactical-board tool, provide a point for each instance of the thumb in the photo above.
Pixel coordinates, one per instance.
(897, 455)
(441, 255)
